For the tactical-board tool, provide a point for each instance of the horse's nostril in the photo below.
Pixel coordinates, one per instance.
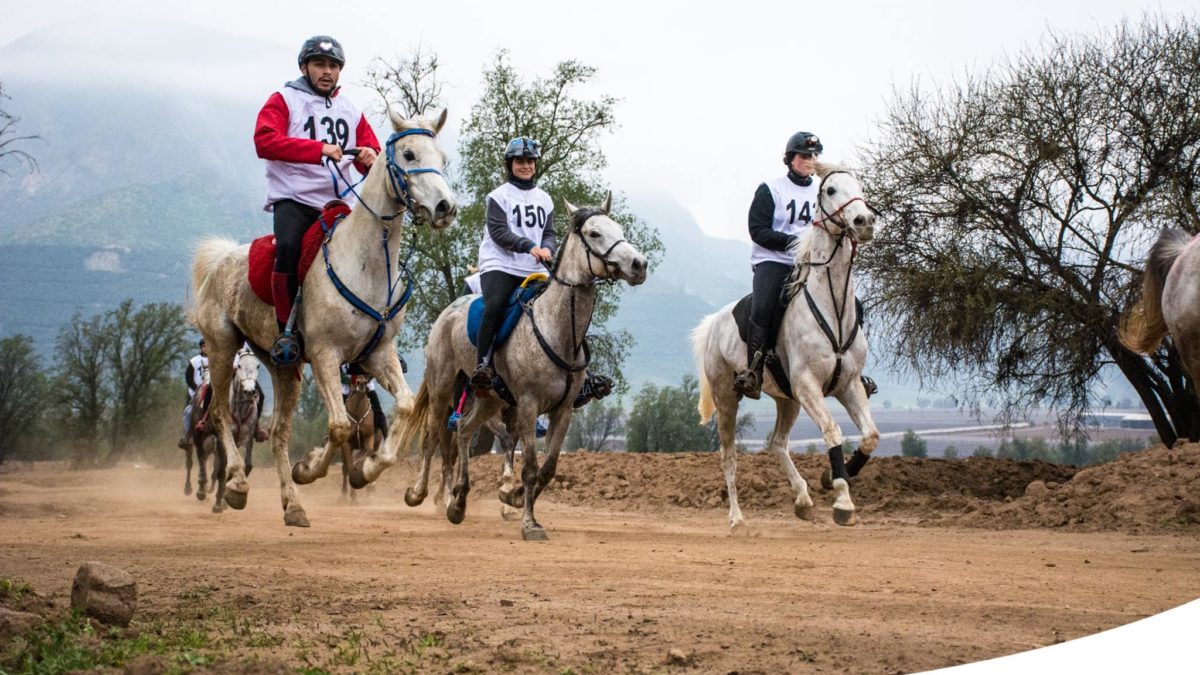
(442, 207)
(638, 264)
(859, 220)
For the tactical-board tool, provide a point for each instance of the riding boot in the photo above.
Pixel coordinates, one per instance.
(288, 348)
(483, 377)
(749, 382)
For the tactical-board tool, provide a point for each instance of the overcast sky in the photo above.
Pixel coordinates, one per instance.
(709, 93)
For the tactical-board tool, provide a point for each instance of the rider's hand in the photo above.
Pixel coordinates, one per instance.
(366, 157)
(542, 254)
(331, 151)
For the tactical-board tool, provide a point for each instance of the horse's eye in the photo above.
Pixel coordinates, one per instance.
(594, 234)
(830, 191)
(409, 156)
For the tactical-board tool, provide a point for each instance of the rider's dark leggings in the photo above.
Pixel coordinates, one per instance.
(769, 278)
(497, 287)
(292, 220)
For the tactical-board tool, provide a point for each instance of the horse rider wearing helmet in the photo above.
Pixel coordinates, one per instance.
(518, 239)
(301, 127)
(193, 377)
(781, 215)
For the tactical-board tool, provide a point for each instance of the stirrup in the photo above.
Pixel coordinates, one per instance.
(869, 385)
(482, 378)
(539, 429)
(287, 349)
(748, 382)
(594, 387)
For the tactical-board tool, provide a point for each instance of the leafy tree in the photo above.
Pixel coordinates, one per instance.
(82, 390)
(667, 419)
(22, 392)
(982, 451)
(569, 129)
(114, 374)
(10, 141)
(913, 445)
(310, 427)
(1018, 198)
(593, 426)
(950, 452)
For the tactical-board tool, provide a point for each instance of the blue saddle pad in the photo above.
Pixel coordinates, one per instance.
(512, 314)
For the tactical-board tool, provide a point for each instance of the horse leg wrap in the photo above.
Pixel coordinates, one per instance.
(837, 463)
(857, 461)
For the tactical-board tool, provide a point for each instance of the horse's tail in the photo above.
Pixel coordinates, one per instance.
(208, 254)
(700, 340)
(1143, 326)
(413, 431)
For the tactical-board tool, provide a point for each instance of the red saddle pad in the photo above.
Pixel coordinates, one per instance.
(262, 252)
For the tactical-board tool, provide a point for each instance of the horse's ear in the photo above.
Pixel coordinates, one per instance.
(571, 208)
(441, 121)
(606, 207)
(397, 121)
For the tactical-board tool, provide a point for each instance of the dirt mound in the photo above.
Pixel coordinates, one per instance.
(1150, 491)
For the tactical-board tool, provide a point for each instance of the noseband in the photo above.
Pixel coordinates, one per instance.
(578, 220)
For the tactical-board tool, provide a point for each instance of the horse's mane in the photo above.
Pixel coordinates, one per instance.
(823, 169)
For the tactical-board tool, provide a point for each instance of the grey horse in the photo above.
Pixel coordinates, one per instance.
(542, 363)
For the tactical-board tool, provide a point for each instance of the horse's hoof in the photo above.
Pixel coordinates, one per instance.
(249, 468)
(413, 498)
(805, 512)
(298, 474)
(236, 499)
(827, 479)
(455, 513)
(355, 474)
(514, 498)
(535, 533)
(845, 517)
(294, 517)
(218, 507)
(509, 513)
(201, 494)
(187, 490)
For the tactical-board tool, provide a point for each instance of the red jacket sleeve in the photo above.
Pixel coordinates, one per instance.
(365, 136)
(271, 140)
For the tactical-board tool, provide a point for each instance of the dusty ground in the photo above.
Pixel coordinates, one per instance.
(953, 562)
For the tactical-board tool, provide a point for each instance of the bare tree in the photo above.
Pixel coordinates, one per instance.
(1019, 205)
(22, 392)
(409, 85)
(10, 140)
(594, 426)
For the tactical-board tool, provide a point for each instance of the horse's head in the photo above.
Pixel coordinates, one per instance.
(605, 253)
(840, 204)
(246, 378)
(358, 384)
(415, 164)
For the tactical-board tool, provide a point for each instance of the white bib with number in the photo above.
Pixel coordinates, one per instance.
(795, 208)
(528, 213)
(311, 184)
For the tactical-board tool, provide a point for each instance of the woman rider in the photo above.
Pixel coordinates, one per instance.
(518, 239)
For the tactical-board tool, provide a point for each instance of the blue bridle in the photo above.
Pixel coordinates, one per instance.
(397, 176)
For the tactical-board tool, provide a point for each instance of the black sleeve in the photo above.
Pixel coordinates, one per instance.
(550, 235)
(497, 225)
(762, 214)
(190, 378)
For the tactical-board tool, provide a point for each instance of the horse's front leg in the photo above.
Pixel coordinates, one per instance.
(187, 481)
(218, 473)
(812, 399)
(524, 427)
(237, 488)
(512, 496)
(786, 411)
(854, 399)
(198, 441)
(384, 364)
(456, 498)
(327, 373)
(287, 395)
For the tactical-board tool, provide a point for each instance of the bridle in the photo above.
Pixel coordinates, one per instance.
(397, 177)
(578, 220)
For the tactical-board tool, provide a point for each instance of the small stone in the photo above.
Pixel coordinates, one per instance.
(104, 592)
(506, 603)
(678, 657)
(13, 624)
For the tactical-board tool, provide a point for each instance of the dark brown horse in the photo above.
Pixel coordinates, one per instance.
(246, 400)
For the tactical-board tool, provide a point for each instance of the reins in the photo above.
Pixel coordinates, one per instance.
(402, 197)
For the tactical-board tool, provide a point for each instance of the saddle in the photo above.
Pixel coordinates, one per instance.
(262, 251)
(533, 286)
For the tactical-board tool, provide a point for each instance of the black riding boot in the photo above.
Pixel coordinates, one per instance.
(749, 382)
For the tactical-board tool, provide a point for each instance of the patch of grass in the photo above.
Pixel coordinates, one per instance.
(351, 649)
(198, 592)
(14, 590)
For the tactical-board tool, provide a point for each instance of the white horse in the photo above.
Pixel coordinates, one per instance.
(1170, 301)
(363, 253)
(542, 363)
(820, 346)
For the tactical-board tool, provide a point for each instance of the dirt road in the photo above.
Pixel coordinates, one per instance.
(623, 585)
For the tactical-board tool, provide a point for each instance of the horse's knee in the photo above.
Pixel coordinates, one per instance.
(339, 432)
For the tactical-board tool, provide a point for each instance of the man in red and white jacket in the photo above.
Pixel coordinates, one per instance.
(301, 127)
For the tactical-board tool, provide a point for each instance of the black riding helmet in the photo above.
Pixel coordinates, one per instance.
(802, 142)
(321, 45)
(521, 146)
